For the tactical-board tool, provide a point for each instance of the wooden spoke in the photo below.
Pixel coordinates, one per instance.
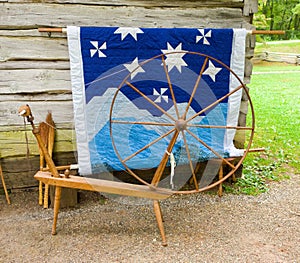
(150, 101)
(148, 145)
(170, 86)
(211, 149)
(215, 103)
(190, 161)
(195, 88)
(143, 123)
(164, 160)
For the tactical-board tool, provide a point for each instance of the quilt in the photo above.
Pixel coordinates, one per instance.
(125, 103)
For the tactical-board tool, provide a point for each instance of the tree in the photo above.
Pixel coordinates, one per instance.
(279, 15)
(296, 12)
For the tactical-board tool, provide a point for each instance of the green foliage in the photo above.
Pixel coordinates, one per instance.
(276, 100)
(257, 173)
(279, 15)
(296, 9)
(249, 185)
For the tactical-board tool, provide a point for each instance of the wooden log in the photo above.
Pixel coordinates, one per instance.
(34, 64)
(30, 81)
(248, 67)
(13, 143)
(29, 32)
(35, 48)
(277, 57)
(144, 3)
(244, 107)
(16, 128)
(41, 14)
(250, 7)
(62, 110)
(19, 171)
(24, 98)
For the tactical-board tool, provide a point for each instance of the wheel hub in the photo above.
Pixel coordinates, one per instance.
(180, 125)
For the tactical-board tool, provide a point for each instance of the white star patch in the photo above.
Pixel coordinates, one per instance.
(97, 49)
(174, 59)
(124, 31)
(212, 71)
(203, 36)
(134, 66)
(161, 96)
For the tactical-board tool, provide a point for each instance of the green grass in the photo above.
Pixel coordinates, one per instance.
(276, 99)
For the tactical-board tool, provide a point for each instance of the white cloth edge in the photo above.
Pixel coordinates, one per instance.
(73, 35)
(237, 64)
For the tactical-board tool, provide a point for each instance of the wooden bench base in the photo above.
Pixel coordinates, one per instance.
(120, 188)
(105, 186)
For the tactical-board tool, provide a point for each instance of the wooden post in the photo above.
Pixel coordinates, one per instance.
(4, 185)
(50, 145)
(25, 111)
(48, 159)
(165, 158)
(220, 191)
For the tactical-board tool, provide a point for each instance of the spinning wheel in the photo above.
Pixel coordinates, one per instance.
(161, 123)
(188, 125)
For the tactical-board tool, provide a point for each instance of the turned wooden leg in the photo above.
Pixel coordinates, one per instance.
(158, 214)
(40, 193)
(46, 196)
(56, 208)
(220, 192)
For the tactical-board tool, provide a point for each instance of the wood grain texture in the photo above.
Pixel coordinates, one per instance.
(62, 110)
(250, 7)
(141, 3)
(31, 16)
(13, 143)
(36, 49)
(91, 184)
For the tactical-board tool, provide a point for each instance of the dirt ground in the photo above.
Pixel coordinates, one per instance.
(199, 228)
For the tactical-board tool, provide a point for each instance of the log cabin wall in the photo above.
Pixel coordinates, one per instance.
(34, 67)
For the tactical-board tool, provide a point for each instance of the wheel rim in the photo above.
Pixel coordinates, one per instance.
(180, 124)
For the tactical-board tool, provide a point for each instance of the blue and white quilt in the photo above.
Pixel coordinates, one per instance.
(102, 57)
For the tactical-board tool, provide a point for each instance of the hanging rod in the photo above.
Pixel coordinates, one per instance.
(267, 32)
(252, 32)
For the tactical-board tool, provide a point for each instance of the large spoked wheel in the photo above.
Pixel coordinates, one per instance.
(168, 119)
